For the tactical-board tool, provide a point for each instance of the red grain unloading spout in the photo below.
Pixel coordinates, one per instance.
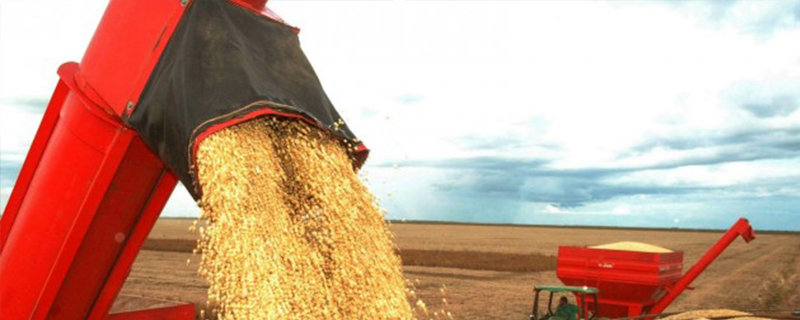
(120, 131)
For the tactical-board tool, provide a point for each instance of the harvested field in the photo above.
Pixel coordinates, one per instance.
(170, 245)
(470, 260)
(755, 269)
(475, 260)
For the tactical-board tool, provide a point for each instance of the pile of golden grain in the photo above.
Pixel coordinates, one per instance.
(711, 313)
(632, 246)
(292, 232)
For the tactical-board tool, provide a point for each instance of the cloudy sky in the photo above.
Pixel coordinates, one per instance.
(622, 113)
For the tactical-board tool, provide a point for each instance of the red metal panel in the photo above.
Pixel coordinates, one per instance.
(93, 186)
(138, 235)
(180, 312)
(126, 47)
(32, 161)
(111, 227)
(57, 206)
(626, 266)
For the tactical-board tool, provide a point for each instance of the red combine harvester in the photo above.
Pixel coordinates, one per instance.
(121, 130)
(631, 283)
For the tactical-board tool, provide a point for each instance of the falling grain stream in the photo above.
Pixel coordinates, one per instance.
(292, 233)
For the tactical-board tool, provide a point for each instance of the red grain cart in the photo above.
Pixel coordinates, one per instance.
(633, 283)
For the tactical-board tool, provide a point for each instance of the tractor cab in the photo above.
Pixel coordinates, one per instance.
(579, 292)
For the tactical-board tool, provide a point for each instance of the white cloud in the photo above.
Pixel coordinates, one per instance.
(551, 208)
(18, 126)
(582, 85)
(598, 85)
(36, 37)
(5, 193)
(621, 210)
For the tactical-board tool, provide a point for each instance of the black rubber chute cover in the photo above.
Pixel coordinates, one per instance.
(225, 62)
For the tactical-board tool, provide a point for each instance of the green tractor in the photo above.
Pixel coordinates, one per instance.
(580, 292)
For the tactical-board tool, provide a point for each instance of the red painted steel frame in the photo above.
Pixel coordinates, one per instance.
(80, 215)
(125, 49)
(180, 312)
(740, 228)
(90, 190)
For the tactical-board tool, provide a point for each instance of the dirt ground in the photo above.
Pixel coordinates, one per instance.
(760, 275)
